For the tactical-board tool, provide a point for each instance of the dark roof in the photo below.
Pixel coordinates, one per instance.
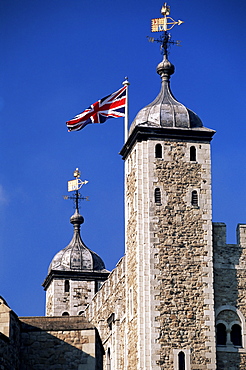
(54, 323)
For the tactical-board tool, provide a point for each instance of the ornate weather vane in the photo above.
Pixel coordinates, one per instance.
(164, 25)
(75, 185)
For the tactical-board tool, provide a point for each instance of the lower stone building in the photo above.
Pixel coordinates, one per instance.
(176, 299)
(64, 342)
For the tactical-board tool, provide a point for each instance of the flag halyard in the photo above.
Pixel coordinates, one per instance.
(111, 106)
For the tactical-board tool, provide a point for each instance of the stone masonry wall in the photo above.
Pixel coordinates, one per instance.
(184, 234)
(169, 274)
(229, 287)
(9, 338)
(132, 261)
(59, 343)
(107, 312)
(74, 301)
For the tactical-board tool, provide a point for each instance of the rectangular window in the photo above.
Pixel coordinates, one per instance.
(130, 303)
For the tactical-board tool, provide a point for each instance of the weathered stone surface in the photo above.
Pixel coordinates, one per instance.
(110, 302)
(65, 342)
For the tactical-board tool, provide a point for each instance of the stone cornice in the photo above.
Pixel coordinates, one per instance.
(81, 275)
(143, 133)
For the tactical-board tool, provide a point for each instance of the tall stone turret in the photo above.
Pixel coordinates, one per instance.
(169, 272)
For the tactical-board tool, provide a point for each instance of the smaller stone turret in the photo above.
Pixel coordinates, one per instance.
(75, 274)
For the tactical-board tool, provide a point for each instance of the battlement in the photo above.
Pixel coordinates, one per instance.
(241, 234)
(229, 254)
(219, 234)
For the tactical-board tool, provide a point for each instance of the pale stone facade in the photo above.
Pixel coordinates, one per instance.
(70, 294)
(107, 312)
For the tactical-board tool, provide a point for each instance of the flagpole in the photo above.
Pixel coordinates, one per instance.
(126, 123)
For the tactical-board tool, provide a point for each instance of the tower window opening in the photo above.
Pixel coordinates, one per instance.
(194, 198)
(158, 151)
(236, 335)
(98, 285)
(130, 303)
(67, 286)
(192, 153)
(111, 320)
(157, 196)
(221, 335)
(181, 360)
(108, 360)
(65, 314)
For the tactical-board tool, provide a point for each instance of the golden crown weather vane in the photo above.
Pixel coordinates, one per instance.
(163, 25)
(166, 23)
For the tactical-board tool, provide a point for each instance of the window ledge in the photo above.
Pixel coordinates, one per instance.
(230, 348)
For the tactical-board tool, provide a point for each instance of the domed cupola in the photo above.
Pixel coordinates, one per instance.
(76, 256)
(165, 111)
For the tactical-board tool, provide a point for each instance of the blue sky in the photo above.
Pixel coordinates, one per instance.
(58, 57)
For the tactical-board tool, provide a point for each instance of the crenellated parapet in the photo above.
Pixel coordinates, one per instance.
(229, 255)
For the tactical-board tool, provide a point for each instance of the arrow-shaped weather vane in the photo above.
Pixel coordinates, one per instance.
(163, 25)
(75, 185)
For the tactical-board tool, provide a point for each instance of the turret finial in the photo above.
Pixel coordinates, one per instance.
(163, 25)
(75, 185)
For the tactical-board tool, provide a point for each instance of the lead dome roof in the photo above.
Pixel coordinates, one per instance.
(76, 256)
(165, 111)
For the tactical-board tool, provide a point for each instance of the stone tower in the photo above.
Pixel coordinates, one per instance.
(74, 276)
(169, 271)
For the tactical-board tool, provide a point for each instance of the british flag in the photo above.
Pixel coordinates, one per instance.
(111, 106)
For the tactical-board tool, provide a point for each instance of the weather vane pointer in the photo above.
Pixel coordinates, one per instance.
(75, 185)
(163, 25)
(166, 23)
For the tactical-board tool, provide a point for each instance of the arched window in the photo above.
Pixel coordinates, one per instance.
(157, 196)
(194, 198)
(158, 151)
(66, 286)
(236, 335)
(221, 334)
(65, 314)
(181, 358)
(192, 153)
(230, 328)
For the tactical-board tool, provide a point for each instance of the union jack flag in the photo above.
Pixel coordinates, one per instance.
(111, 106)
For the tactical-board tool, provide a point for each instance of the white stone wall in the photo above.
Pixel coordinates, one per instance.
(110, 303)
